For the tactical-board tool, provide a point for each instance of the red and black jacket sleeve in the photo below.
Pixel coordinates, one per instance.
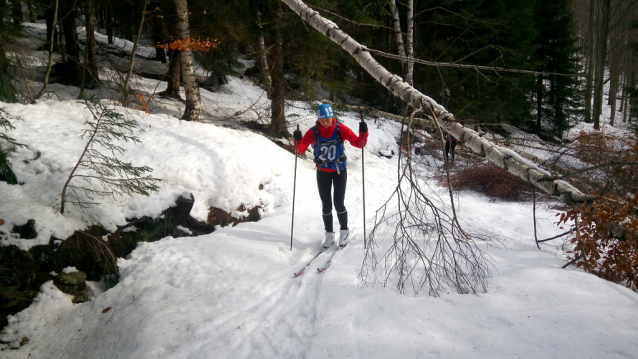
(348, 135)
(306, 140)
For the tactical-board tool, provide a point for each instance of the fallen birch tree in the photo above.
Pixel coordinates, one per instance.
(500, 156)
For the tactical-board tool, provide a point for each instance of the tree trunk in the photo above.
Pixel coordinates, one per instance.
(125, 91)
(72, 46)
(264, 69)
(631, 100)
(91, 66)
(159, 36)
(600, 66)
(333, 78)
(613, 88)
(277, 126)
(174, 79)
(174, 69)
(409, 47)
(590, 61)
(193, 110)
(101, 23)
(445, 120)
(398, 36)
(16, 11)
(108, 14)
(50, 16)
(60, 31)
(50, 47)
(32, 17)
(539, 101)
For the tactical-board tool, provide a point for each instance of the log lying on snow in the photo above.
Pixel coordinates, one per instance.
(431, 127)
(502, 157)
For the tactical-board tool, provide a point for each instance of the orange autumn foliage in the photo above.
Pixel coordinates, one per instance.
(190, 44)
(600, 246)
(144, 105)
(606, 238)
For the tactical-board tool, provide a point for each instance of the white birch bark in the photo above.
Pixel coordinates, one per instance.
(193, 110)
(501, 157)
(396, 23)
(263, 57)
(409, 46)
(263, 62)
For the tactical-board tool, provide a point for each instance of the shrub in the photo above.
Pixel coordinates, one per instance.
(601, 245)
(608, 164)
(606, 239)
(490, 180)
(6, 172)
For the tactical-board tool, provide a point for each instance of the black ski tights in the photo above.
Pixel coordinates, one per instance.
(325, 181)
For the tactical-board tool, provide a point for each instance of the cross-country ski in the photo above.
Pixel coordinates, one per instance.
(302, 270)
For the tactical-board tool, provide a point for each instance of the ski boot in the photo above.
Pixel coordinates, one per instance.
(344, 235)
(330, 238)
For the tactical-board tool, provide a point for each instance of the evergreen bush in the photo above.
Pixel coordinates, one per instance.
(97, 174)
(6, 172)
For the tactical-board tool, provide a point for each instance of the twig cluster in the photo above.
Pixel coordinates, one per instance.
(430, 249)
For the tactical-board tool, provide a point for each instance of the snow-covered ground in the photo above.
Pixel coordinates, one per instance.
(232, 294)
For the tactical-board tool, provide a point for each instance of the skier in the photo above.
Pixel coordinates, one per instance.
(327, 138)
(450, 144)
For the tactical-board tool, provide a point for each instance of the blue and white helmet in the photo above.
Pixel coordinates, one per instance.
(324, 111)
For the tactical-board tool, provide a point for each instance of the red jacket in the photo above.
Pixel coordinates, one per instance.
(346, 134)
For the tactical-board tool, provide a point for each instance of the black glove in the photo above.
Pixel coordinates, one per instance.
(297, 135)
(363, 127)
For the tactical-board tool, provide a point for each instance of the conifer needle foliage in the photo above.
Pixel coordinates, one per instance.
(6, 172)
(98, 171)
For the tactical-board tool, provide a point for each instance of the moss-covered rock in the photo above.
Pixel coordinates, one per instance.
(94, 252)
(73, 283)
(18, 281)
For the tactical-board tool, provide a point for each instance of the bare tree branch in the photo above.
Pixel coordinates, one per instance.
(464, 66)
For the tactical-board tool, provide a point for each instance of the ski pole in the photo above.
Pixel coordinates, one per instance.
(363, 182)
(294, 187)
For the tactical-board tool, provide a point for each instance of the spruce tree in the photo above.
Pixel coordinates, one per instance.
(98, 174)
(557, 97)
(490, 33)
